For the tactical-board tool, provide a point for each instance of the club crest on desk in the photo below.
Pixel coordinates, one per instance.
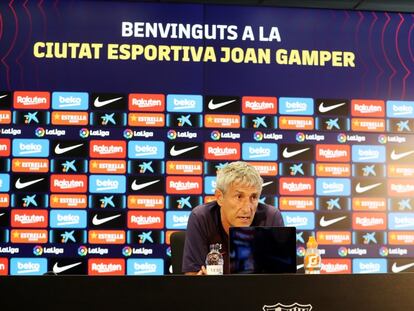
(293, 307)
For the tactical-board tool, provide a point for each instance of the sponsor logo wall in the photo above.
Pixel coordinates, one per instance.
(112, 128)
(101, 197)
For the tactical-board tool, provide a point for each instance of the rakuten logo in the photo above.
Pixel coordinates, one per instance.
(187, 185)
(259, 105)
(146, 219)
(369, 221)
(336, 266)
(296, 186)
(107, 149)
(106, 267)
(371, 108)
(29, 218)
(222, 151)
(31, 100)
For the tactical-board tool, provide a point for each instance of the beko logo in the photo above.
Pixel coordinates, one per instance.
(30, 148)
(144, 268)
(183, 104)
(259, 152)
(145, 150)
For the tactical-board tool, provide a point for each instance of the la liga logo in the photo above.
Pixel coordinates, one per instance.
(341, 138)
(82, 250)
(300, 137)
(171, 134)
(127, 251)
(128, 134)
(258, 136)
(84, 132)
(40, 132)
(215, 135)
(37, 250)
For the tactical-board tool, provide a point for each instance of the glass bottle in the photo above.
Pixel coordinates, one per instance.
(214, 260)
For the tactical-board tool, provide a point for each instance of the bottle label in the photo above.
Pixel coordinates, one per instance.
(312, 261)
(214, 269)
(312, 272)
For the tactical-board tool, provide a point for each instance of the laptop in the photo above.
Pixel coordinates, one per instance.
(260, 250)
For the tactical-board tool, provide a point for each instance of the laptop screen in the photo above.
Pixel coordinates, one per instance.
(262, 250)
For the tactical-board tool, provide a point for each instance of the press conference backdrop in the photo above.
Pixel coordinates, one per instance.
(116, 115)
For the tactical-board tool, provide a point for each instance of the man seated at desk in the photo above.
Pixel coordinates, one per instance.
(238, 189)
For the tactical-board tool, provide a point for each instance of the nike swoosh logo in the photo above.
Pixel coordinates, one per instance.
(326, 223)
(2, 96)
(324, 109)
(395, 156)
(59, 150)
(97, 103)
(136, 187)
(288, 154)
(57, 269)
(360, 189)
(213, 106)
(174, 152)
(2, 214)
(21, 185)
(267, 183)
(298, 267)
(397, 269)
(101, 221)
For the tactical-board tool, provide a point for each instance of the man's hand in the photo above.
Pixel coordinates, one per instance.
(202, 271)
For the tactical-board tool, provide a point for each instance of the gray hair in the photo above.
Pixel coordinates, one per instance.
(238, 172)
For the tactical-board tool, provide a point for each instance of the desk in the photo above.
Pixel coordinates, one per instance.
(234, 292)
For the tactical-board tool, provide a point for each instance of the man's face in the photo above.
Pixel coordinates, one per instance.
(238, 205)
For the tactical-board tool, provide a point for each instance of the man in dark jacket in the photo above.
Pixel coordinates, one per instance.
(238, 189)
